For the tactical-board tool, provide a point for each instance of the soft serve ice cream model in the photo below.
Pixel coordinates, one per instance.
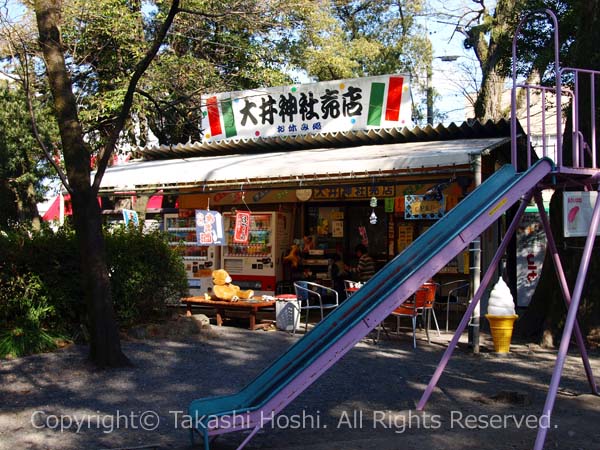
(501, 315)
(501, 300)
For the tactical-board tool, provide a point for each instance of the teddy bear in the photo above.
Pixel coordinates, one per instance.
(225, 291)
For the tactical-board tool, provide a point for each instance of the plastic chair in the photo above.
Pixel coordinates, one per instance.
(426, 296)
(312, 296)
(418, 305)
(458, 293)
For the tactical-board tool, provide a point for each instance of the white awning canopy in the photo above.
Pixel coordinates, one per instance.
(295, 166)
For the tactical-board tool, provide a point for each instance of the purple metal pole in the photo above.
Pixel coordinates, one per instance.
(474, 301)
(593, 114)
(568, 330)
(565, 289)
(557, 74)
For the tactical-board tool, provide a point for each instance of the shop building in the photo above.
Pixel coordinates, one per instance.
(381, 187)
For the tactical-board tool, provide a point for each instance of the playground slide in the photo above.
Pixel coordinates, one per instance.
(274, 388)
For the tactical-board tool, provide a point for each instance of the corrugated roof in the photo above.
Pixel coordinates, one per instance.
(282, 166)
(467, 130)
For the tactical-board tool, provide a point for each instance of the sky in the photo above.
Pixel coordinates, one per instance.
(451, 79)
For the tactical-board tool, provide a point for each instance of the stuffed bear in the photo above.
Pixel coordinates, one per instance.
(225, 291)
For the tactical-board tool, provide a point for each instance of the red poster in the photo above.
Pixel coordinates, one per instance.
(241, 233)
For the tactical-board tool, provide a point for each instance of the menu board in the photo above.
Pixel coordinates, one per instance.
(405, 236)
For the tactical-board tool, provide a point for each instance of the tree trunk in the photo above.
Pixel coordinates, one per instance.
(105, 346)
(488, 104)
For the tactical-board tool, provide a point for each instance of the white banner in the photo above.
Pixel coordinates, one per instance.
(531, 250)
(331, 106)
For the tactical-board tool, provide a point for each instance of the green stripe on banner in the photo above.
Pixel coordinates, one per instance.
(228, 119)
(376, 104)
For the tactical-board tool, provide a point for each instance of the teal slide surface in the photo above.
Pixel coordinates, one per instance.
(329, 340)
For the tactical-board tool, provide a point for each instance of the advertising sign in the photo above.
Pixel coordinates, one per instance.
(577, 213)
(209, 228)
(422, 207)
(330, 106)
(531, 250)
(241, 232)
(131, 218)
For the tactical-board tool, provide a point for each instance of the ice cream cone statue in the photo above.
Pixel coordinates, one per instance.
(501, 316)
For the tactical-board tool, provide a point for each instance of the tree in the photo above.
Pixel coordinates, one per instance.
(488, 32)
(350, 38)
(105, 347)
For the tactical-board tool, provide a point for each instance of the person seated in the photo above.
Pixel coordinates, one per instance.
(365, 268)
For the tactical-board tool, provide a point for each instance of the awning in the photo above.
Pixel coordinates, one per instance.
(54, 213)
(295, 166)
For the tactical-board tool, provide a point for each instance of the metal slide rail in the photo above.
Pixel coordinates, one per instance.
(257, 403)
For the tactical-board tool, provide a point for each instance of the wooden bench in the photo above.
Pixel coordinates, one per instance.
(251, 306)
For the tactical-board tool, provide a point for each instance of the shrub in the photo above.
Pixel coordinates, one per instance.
(24, 314)
(40, 277)
(146, 274)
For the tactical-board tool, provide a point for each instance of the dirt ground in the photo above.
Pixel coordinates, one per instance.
(366, 401)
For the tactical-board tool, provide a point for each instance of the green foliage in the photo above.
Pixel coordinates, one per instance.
(146, 274)
(22, 166)
(25, 311)
(42, 294)
(354, 38)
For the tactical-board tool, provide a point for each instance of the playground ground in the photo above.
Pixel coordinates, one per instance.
(366, 401)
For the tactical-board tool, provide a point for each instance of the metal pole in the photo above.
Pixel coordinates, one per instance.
(487, 277)
(475, 270)
(568, 329)
(560, 273)
(429, 96)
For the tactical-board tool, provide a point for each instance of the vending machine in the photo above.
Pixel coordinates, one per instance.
(199, 260)
(256, 264)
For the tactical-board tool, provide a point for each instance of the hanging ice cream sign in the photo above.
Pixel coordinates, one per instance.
(354, 104)
(209, 227)
(241, 234)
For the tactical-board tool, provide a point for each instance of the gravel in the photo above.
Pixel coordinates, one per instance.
(366, 401)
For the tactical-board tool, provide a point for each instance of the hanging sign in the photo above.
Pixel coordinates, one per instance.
(241, 233)
(209, 228)
(421, 207)
(330, 106)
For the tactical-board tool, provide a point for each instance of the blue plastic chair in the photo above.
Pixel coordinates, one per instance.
(313, 296)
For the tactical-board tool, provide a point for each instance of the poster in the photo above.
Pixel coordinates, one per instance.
(577, 213)
(405, 237)
(209, 228)
(131, 218)
(337, 228)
